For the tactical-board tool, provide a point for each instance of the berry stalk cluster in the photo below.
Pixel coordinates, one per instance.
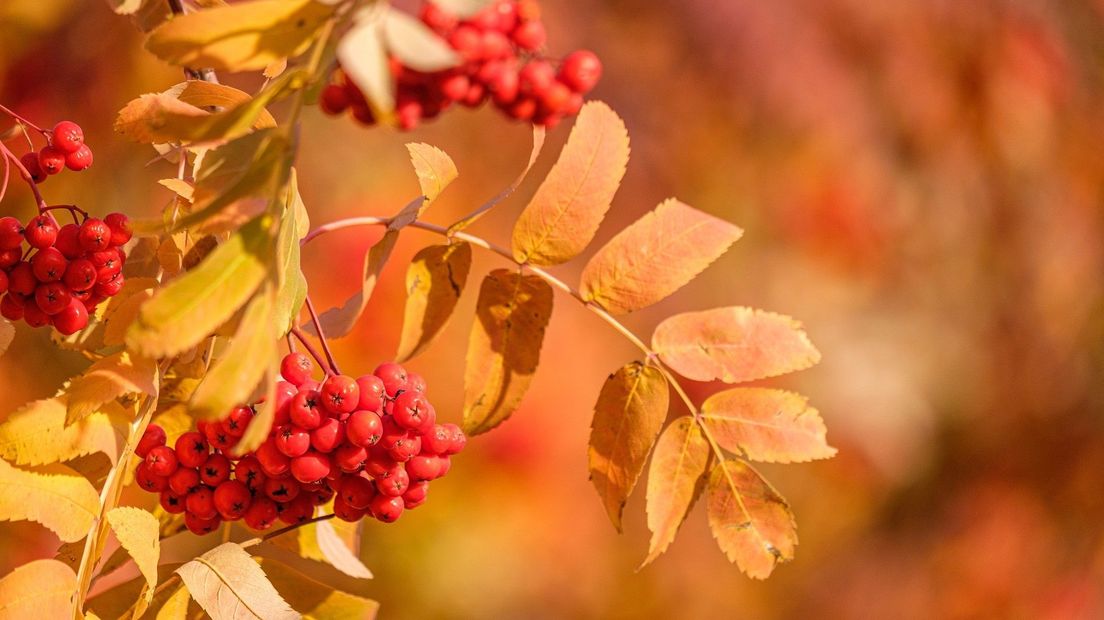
(370, 444)
(499, 47)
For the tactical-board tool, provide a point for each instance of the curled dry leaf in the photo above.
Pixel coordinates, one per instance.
(752, 523)
(627, 418)
(733, 344)
(769, 425)
(655, 256)
(675, 479)
(435, 169)
(38, 589)
(53, 495)
(434, 281)
(230, 585)
(511, 316)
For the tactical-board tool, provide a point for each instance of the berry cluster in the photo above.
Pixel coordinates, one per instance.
(370, 444)
(499, 48)
(66, 149)
(65, 273)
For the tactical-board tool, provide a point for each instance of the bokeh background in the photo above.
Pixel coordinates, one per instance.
(920, 182)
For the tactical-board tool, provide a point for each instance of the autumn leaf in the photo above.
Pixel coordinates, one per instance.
(338, 322)
(564, 214)
(138, 532)
(124, 600)
(53, 495)
(38, 434)
(108, 379)
(229, 584)
(315, 599)
(512, 314)
(38, 589)
(257, 431)
(674, 481)
(334, 547)
(241, 37)
(752, 523)
(415, 45)
(364, 59)
(293, 284)
(7, 334)
(435, 169)
(629, 415)
(235, 374)
(539, 134)
(655, 256)
(434, 281)
(189, 308)
(762, 424)
(733, 344)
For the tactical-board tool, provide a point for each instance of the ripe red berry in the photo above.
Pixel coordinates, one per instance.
(111, 287)
(459, 440)
(248, 470)
(291, 440)
(49, 265)
(555, 98)
(393, 376)
(423, 467)
(284, 393)
(379, 464)
(79, 159)
(272, 461)
(386, 509)
(72, 318)
(350, 458)
(296, 368)
(238, 420)
(95, 235)
(215, 470)
(30, 162)
(437, 441)
(306, 409)
(371, 393)
(51, 160)
(148, 480)
(3, 282)
(466, 41)
(9, 258)
(530, 35)
(184, 480)
(310, 467)
(232, 499)
(21, 279)
(340, 394)
(334, 99)
(201, 503)
(357, 492)
(394, 484)
(191, 449)
(171, 502)
(581, 71)
(161, 461)
(153, 437)
(345, 512)
(218, 438)
(438, 19)
(199, 526)
(416, 382)
(410, 410)
(415, 495)
(34, 316)
(261, 514)
(297, 510)
(11, 233)
(11, 308)
(41, 231)
(364, 428)
(121, 231)
(67, 136)
(328, 437)
(405, 449)
(493, 44)
(80, 275)
(536, 77)
(68, 241)
(281, 489)
(52, 297)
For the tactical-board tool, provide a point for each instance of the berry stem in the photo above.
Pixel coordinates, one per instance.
(72, 209)
(321, 334)
(19, 119)
(6, 152)
(308, 346)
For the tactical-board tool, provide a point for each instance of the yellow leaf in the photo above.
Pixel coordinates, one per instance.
(539, 134)
(180, 187)
(315, 599)
(655, 256)
(674, 481)
(108, 379)
(336, 551)
(229, 585)
(434, 281)
(232, 378)
(293, 284)
(733, 344)
(413, 43)
(504, 349)
(435, 169)
(762, 424)
(364, 59)
(752, 523)
(175, 421)
(138, 532)
(171, 603)
(211, 97)
(240, 37)
(629, 414)
(38, 434)
(122, 316)
(38, 589)
(189, 308)
(338, 322)
(7, 334)
(275, 68)
(53, 495)
(561, 219)
(257, 431)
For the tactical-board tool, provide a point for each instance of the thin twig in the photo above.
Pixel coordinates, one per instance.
(298, 333)
(23, 172)
(321, 334)
(22, 120)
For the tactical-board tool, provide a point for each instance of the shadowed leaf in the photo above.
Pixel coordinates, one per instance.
(53, 495)
(752, 523)
(7, 334)
(38, 589)
(674, 481)
(434, 282)
(762, 424)
(138, 532)
(314, 599)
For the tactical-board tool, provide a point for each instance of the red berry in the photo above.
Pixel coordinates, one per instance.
(340, 394)
(201, 503)
(298, 510)
(415, 495)
(218, 438)
(95, 235)
(296, 368)
(68, 241)
(11, 233)
(466, 41)
(581, 71)
(261, 514)
(21, 279)
(121, 231)
(345, 512)
(200, 526)
(172, 503)
(493, 44)
(459, 440)
(184, 480)
(248, 470)
(522, 109)
(67, 136)
(395, 484)
(410, 410)
(71, 319)
(423, 467)
(328, 437)
(574, 104)
(48, 265)
(556, 97)
(51, 159)
(41, 231)
(393, 376)
(291, 440)
(281, 489)
(232, 499)
(191, 449)
(111, 287)
(350, 458)
(362, 112)
(284, 393)
(408, 112)
(437, 441)
(9, 258)
(405, 449)
(52, 297)
(416, 382)
(379, 464)
(310, 467)
(306, 409)
(364, 428)
(530, 35)
(215, 470)
(79, 159)
(153, 437)
(30, 162)
(371, 392)
(80, 275)
(334, 99)
(357, 492)
(536, 77)
(148, 480)
(34, 316)
(386, 509)
(272, 461)
(438, 19)
(454, 85)
(11, 308)
(238, 420)
(161, 461)
(3, 282)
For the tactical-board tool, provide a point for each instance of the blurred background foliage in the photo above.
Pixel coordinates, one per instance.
(920, 183)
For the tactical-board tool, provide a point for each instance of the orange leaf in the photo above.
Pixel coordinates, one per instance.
(674, 481)
(655, 256)
(752, 523)
(434, 281)
(564, 214)
(504, 349)
(733, 344)
(629, 414)
(762, 424)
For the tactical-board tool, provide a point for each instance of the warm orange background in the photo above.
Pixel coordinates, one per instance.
(919, 182)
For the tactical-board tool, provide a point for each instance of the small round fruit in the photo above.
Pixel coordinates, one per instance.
(51, 160)
(423, 467)
(334, 99)
(272, 461)
(345, 512)
(30, 162)
(79, 159)
(232, 499)
(261, 514)
(199, 526)
(292, 441)
(371, 392)
(121, 231)
(340, 394)
(172, 503)
(364, 428)
(281, 490)
(393, 376)
(248, 470)
(459, 440)
(148, 480)
(296, 368)
(80, 275)
(11, 308)
(350, 458)
(215, 470)
(530, 35)
(41, 231)
(357, 492)
(415, 495)
(153, 437)
(48, 265)
(306, 409)
(68, 242)
(411, 410)
(238, 420)
(67, 136)
(191, 449)
(95, 235)
(161, 461)
(328, 437)
(184, 480)
(311, 467)
(11, 233)
(385, 508)
(581, 71)
(395, 484)
(52, 297)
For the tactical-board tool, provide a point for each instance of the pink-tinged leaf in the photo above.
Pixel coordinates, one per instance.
(627, 418)
(434, 281)
(39, 589)
(733, 344)
(538, 144)
(762, 424)
(752, 523)
(655, 256)
(675, 479)
(504, 349)
(568, 207)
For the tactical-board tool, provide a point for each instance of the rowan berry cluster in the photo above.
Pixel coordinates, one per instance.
(65, 272)
(370, 444)
(65, 149)
(499, 47)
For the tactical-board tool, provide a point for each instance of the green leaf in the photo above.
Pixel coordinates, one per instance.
(186, 311)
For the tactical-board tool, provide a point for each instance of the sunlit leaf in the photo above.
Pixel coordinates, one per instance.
(171, 603)
(655, 256)
(627, 418)
(561, 219)
(504, 348)
(762, 424)
(293, 284)
(108, 379)
(235, 374)
(752, 523)
(335, 548)
(675, 479)
(138, 533)
(192, 306)
(38, 434)
(39, 589)
(413, 43)
(240, 37)
(435, 169)
(434, 281)
(53, 495)
(363, 56)
(229, 584)
(257, 431)
(315, 599)
(733, 344)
